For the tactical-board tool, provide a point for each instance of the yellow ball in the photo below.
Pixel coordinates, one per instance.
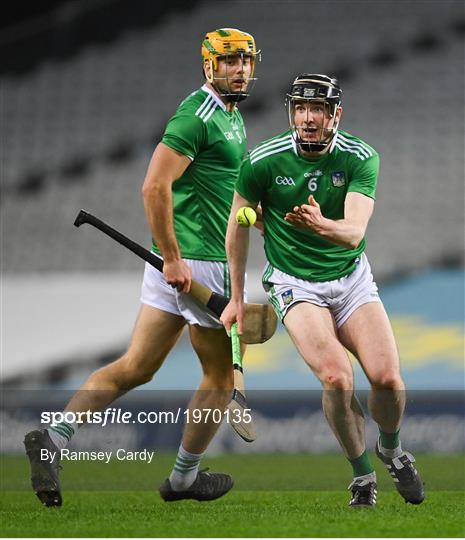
(246, 216)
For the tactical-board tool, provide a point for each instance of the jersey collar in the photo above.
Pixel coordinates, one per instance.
(214, 96)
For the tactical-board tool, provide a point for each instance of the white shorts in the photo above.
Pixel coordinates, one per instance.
(341, 296)
(158, 294)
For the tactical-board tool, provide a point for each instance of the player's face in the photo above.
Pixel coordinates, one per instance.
(233, 73)
(313, 120)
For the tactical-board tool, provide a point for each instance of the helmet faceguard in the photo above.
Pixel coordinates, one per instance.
(221, 45)
(312, 88)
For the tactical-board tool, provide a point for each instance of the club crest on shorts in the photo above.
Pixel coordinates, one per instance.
(287, 297)
(338, 179)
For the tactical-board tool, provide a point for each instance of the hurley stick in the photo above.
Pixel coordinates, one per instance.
(260, 320)
(239, 412)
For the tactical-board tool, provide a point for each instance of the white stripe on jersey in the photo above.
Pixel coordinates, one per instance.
(355, 144)
(265, 151)
(263, 147)
(356, 152)
(271, 152)
(208, 114)
(204, 104)
(207, 110)
(360, 149)
(268, 148)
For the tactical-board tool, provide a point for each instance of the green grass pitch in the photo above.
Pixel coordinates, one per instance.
(274, 496)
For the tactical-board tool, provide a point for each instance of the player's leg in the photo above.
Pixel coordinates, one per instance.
(158, 326)
(368, 334)
(213, 348)
(154, 335)
(313, 331)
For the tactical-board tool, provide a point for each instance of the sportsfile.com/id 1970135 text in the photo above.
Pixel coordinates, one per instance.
(113, 415)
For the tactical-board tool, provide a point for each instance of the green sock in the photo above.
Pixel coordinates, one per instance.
(389, 440)
(361, 465)
(61, 433)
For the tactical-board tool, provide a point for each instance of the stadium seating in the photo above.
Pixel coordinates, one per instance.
(80, 133)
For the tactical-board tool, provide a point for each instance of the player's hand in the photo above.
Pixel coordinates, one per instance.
(233, 312)
(178, 274)
(307, 216)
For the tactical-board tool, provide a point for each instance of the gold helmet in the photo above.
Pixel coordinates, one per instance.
(228, 42)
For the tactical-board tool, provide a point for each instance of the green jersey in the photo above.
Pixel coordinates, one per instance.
(215, 141)
(278, 177)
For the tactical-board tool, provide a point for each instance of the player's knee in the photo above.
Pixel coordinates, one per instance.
(132, 371)
(221, 384)
(388, 380)
(337, 379)
(141, 377)
(138, 375)
(219, 380)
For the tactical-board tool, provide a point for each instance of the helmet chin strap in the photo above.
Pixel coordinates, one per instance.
(310, 146)
(232, 97)
(236, 98)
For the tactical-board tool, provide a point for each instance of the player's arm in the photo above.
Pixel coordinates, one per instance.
(347, 232)
(237, 247)
(166, 166)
